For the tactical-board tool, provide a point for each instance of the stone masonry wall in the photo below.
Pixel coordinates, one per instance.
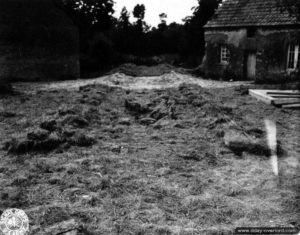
(270, 47)
(273, 52)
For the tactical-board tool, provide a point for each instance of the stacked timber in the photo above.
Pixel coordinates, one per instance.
(278, 98)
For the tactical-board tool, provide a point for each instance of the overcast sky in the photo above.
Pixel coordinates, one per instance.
(175, 9)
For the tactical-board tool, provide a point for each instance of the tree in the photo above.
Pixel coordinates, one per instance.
(139, 13)
(122, 36)
(123, 21)
(204, 11)
(163, 17)
(93, 18)
(88, 14)
(194, 43)
(163, 21)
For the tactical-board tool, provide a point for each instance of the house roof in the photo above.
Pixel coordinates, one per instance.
(241, 13)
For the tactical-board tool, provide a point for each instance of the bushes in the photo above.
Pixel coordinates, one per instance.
(229, 75)
(278, 78)
(99, 56)
(102, 51)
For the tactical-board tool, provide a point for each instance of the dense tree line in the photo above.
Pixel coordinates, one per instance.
(106, 41)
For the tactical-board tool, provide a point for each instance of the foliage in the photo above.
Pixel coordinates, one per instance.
(204, 11)
(139, 14)
(101, 35)
(123, 22)
(274, 47)
(139, 11)
(102, 51)
(163, 19)
(278, 78)
(89, 13)
(194, 26)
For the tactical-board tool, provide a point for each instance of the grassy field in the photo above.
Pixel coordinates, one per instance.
(145, 162)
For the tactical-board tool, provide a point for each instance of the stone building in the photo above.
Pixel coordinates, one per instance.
(38, 41)
(253, 40)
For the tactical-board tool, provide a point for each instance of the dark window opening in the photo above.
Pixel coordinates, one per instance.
(251, 32)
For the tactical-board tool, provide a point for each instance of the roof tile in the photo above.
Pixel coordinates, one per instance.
(241, 13)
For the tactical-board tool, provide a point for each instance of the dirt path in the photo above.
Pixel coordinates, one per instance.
(168, 80)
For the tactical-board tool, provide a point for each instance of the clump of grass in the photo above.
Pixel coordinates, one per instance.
(213, 209)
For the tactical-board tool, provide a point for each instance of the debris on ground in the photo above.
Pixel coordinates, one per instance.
(64, 228)
(49, 125)
(147, 121)
(75, 121)
(160, 111)
(5, 114)
(54, 133)
(82, 140)
(239, 142)
(125, 121)
(146, 161)
(136, 106)
(38, 134)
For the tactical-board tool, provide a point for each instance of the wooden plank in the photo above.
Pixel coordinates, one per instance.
(291, 106)
(285, 101)
(282, 93)
(285, 96)
(261, 95)
(277, 97)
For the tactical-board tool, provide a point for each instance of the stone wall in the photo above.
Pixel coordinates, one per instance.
(37, 42)
(270, 47)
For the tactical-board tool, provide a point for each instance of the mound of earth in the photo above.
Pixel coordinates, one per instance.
(145, 71)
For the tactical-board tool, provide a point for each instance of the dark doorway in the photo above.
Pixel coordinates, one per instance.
(251, 31)
(250, 65)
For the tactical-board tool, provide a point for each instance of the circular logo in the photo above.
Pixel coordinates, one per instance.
(14, 222)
